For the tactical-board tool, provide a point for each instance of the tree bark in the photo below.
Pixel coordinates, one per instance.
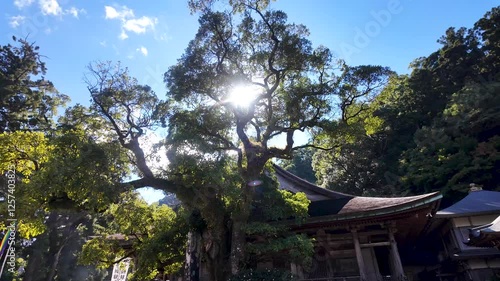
(53, 267)
(237, 245)
(215, 253)
(34, 260)
(241, 216)
(193, 256)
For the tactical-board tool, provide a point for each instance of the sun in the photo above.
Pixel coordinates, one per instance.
(243, 95)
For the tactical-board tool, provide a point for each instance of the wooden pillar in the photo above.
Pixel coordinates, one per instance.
(296, 270)
(359, 255)
(398, 273)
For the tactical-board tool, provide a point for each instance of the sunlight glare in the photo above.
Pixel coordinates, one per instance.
(242, 96)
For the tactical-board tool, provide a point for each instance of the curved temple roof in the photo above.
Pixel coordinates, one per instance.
(326, 202)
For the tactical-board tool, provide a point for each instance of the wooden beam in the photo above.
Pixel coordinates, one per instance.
(376, 244)
(359, 255)
(347, 236)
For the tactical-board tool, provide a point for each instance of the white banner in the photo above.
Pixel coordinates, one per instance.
(120, 270)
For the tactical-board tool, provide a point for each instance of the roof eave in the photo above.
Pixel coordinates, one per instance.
(446, 216)
(380, 212)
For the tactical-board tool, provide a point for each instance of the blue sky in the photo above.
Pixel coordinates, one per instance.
(72, 34)
(150, 35)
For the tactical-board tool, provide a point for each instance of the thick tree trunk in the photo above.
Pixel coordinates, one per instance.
(241, 216)
(215, 253)
(193, 256)
(237, 245)
(53, 267)
(34, 261)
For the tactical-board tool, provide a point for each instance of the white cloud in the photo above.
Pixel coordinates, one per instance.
(23, 3)
(143, 50)
(139, 25)
(103, 43)
(129, 23)
(122, 13)
(75, 12)
(50, 7)
(123, 35)
(111, 12)
(16, 21)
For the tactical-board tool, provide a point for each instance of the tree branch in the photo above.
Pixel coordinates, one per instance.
(157, 183)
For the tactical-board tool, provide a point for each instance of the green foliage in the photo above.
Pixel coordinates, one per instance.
(26, 151)
(301, 165)
(30, 144)
(155, 235)
(268, 230)
(28, 101)
(461, 147)
(290, 99)
(85, 171)
(433, 129)
(264, 275)
(22, 154)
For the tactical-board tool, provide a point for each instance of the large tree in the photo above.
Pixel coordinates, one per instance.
(218, 147)
(46, 168)
(289, 87)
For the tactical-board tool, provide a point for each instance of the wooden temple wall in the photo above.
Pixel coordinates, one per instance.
(349, 254)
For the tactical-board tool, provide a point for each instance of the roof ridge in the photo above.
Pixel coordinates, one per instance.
(405, 197)
(318, 189)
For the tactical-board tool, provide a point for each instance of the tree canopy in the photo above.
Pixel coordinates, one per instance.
(28, 101)
(289, 87)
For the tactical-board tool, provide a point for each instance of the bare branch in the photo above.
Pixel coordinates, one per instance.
(257, 130)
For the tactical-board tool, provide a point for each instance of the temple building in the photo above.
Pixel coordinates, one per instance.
(362, 238)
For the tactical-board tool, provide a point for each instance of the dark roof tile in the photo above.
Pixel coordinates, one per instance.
(475, 203)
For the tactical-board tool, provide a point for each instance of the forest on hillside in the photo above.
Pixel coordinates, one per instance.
(435, 129)
(73, 175)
